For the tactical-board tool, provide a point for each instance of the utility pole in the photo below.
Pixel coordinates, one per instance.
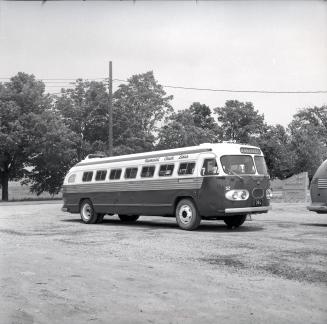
(110, 139)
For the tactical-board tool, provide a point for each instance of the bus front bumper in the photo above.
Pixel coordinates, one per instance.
(248, 210)
(318, 208)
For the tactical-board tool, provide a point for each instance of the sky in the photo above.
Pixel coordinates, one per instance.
(240, 45)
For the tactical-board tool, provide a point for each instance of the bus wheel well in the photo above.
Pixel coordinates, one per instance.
(80, 202)
(179, 198)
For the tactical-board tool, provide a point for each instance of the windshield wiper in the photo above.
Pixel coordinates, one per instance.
(231, 172)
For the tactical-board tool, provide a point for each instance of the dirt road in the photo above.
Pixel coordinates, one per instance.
(55, 269)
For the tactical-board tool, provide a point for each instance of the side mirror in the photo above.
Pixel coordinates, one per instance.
(203, 171)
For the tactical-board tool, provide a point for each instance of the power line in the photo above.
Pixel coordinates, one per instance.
(63, 83)
(237, 91)
(62, 79)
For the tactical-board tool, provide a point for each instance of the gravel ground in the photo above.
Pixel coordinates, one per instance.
(55, 269)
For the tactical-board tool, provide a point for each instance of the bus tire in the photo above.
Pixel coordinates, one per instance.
(235, 221)
(128, 218)
(87, 212)
(187, 216)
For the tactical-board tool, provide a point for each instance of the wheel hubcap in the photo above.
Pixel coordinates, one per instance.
(87, 212)
(185, 214)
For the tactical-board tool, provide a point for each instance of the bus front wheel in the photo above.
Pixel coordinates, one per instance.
(235, 221)
(187, 215)
(128, 218)
(88, 215)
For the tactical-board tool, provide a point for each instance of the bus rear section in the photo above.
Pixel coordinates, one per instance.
(318, 190)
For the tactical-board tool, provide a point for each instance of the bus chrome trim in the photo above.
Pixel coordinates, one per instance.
(155, 184)
(322, 183)
(135, 205)
(247, 210)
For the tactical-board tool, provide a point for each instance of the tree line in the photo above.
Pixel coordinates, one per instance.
(43, 135)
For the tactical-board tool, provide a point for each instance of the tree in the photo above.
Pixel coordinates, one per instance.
(309, 139)
(84, 111)
(20, 99)
(138, 108)
(202, 116)
(240, 121)
(188, 127)
(312, 119)
(275, 143)
(35, 145)
(308, 150)
(51, 153)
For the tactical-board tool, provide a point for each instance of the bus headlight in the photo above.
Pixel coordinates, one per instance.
(269, 194)
(239, 194)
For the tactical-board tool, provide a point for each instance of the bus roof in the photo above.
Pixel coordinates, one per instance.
(321, 171)
(226, 148)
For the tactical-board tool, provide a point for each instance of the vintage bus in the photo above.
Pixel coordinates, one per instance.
(318, 190)
(222, 181)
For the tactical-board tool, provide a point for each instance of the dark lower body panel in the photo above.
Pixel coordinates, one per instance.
(159, 203)
(154, 202)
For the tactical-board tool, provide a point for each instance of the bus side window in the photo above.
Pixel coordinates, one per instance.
(166, 170)
(87, 176)
(209, 167)
(115, 174)
(100, 175)
(186, 168)
(72, 178)
(147, 171)
(130, 173)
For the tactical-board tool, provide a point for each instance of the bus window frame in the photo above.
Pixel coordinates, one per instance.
(136, 175)
(187, 174)
(120, 177)
(103, 170)
(265, 165)
(74, 176)
(148, 166)
(86, 171)
(234, 172)
(166, 176)
(217, 166)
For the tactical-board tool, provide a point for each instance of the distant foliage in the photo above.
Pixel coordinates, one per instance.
(20, 100)
(51, 153)
(84, 110)
(42, 136)
(275, 142)
(309, 139)
(239, 121)
(31, 136)
(188, 127)
(139, 107)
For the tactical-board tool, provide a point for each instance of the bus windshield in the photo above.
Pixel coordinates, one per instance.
(237, 164)
(260, 164)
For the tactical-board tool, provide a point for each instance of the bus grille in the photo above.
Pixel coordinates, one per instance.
(257, 193)
(322, 183)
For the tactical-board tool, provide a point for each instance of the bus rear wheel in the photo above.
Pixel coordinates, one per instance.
(87, 212)
(128, 218)
(187, 215)
(235, 221)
